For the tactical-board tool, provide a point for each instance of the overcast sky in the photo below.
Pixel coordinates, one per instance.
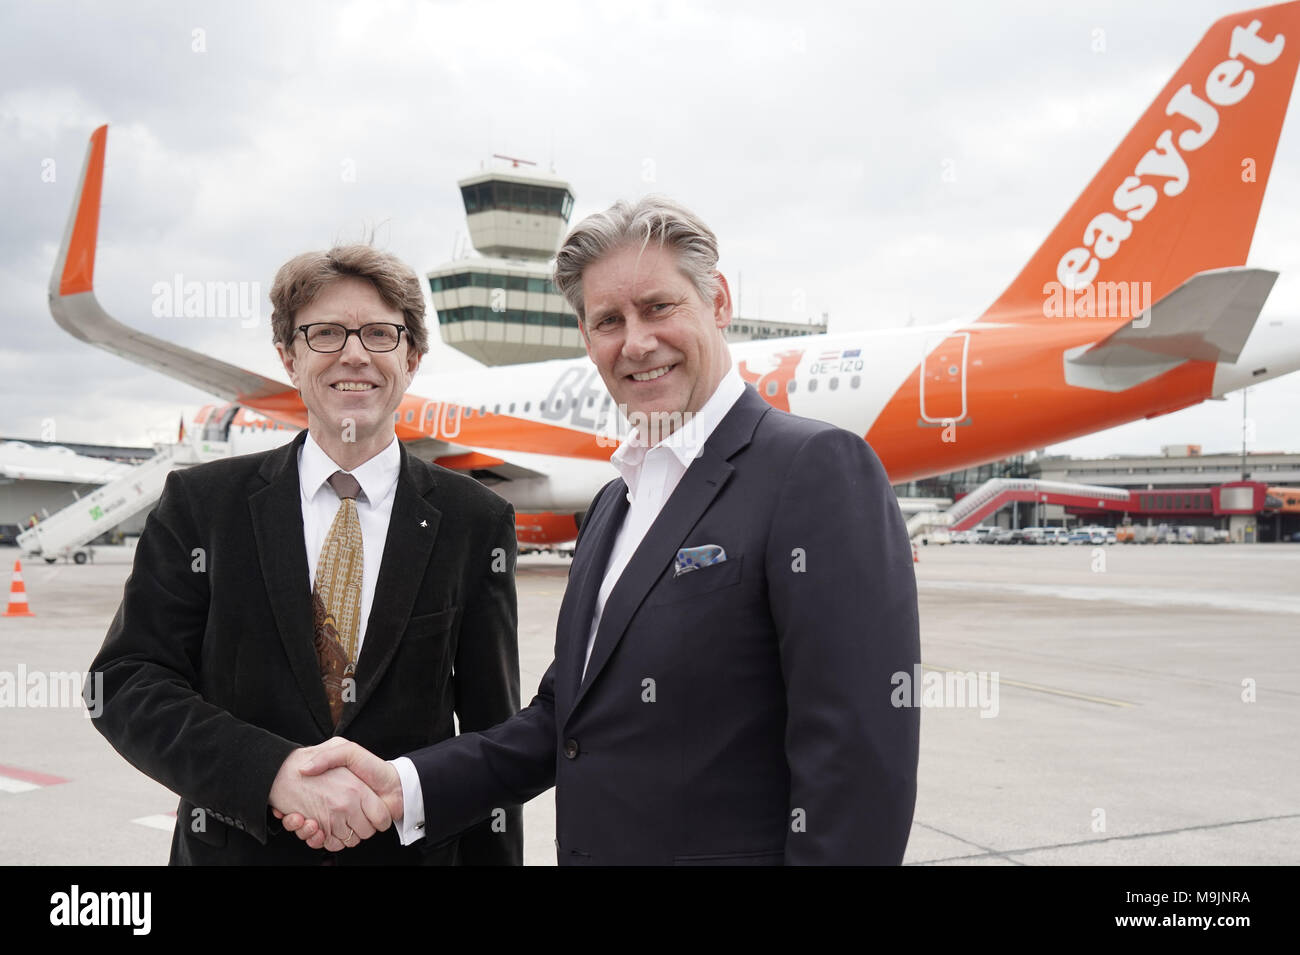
(812, 137)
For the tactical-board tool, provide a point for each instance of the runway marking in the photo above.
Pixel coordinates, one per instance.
(15, 780)
(1090, 842)
(952, 835)
(1117, 668)
(164, 821)
(1121, 593)
(1039, 688)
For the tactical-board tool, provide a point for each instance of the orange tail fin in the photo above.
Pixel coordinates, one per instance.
(1182, 192)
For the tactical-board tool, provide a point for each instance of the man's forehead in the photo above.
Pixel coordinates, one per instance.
(348, 295)
(629, 273)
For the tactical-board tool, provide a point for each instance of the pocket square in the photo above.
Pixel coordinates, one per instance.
(693, 558)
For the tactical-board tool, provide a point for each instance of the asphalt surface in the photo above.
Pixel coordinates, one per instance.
(1146, 706)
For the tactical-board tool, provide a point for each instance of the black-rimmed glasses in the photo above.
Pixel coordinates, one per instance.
(329, 337)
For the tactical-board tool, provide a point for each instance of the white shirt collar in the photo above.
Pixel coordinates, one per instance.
(377, 477)
(688, 441)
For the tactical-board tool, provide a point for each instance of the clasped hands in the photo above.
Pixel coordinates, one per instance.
(336, 794)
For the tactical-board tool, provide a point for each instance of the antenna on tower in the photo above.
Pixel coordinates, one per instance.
(514, 162)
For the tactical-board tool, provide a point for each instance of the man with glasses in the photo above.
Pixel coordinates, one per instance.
(336, 586)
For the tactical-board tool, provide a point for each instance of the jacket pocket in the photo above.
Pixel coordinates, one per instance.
(759, 857)
(432, 624)
(698, 583)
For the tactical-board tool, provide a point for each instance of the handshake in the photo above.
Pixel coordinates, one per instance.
(336, 794)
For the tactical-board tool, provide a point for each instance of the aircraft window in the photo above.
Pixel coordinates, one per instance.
(771, 388)
(812, 384)
(835, 383)
(396, 417)
(469, 412)
(855, 381)
(428, 415)
(512, 407)
(482, 411)
(410, 416)
(590, 400)
(527, 405)
(791, 386)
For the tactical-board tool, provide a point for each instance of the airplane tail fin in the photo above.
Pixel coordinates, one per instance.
(1182, 193)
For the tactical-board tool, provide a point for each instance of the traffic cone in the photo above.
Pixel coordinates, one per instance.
(18, 595)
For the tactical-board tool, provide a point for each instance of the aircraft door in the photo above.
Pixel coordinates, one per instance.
(943, 378)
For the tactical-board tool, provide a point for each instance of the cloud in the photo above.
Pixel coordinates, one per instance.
(873, 163)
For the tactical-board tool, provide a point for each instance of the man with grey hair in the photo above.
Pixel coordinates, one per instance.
(740, 598)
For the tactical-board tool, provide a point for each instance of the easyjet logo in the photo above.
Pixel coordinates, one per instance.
(1227, 84)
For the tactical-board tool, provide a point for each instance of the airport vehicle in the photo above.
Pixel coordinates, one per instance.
(1138, 304)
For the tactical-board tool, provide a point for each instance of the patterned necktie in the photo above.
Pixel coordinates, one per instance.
(336, 597)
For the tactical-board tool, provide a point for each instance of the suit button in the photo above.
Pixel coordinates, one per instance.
(570, 749)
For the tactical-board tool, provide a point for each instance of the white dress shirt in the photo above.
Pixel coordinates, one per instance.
(651, 475)
(378, 480)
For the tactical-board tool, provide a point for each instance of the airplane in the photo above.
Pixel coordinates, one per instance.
(1138, 304)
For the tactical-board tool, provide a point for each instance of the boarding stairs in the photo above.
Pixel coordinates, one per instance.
(67, 532)
(995, 493)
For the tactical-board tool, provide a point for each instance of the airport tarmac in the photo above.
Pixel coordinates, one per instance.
(1146, 709)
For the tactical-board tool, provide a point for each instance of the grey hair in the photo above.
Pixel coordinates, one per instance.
(652, 218)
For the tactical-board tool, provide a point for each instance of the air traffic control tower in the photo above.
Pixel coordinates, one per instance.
(500, 307)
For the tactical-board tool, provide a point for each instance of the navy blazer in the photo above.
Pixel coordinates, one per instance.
(739, 713)
(210, 671)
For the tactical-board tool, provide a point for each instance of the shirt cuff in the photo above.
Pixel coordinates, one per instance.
(411, 828)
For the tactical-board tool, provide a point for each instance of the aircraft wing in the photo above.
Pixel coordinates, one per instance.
(75, 308)
(77, 311)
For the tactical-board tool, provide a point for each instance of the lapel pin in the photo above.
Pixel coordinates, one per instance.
(424, 523)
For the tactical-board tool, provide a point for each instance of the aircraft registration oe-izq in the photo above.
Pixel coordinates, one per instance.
(1137, 304)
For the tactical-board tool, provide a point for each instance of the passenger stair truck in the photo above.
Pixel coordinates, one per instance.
(68, 532)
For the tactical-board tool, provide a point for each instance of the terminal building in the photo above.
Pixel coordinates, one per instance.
(499, 307)
(1255, 497)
